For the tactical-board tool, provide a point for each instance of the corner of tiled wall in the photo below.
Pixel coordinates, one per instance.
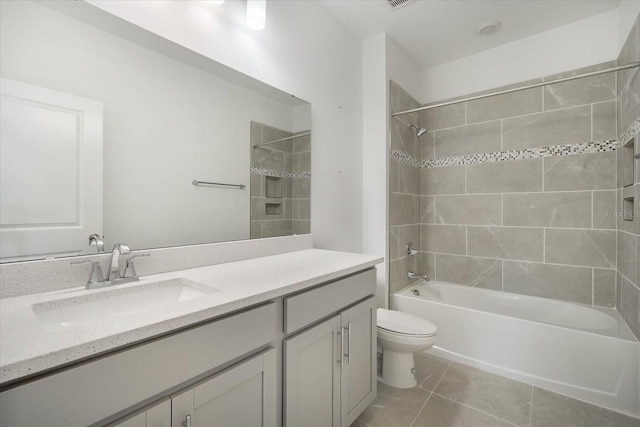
(404, 191)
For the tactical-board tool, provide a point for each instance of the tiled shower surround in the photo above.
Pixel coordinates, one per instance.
(628, 266)
(518, 192)
(280, 183)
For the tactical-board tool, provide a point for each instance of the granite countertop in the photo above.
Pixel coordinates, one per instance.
(27, 347)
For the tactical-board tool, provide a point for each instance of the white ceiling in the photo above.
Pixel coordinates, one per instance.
(434, 32)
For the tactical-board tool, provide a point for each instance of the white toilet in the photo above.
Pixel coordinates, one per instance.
(400, 335)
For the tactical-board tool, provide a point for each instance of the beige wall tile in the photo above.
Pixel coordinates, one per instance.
(300, 226)
(572, 209)
(588, 90)
(472, 209)
(590, 248)
(427, 209)
(506, 242)
(508, 105)
(627, 254)
(444, 117)
(442, 180)
(604, 209)
(593, 171)
(568, 126)
(448, 239)
(276, 228)
(548, 281)
(301, 188)
(403, 209)
(408, 178)
(428, 264)
(393, 242)
(468, 140)
(463, 270)
(604, 288)
(504, 177)
(394, 171)
(426, 146)
(604, 121)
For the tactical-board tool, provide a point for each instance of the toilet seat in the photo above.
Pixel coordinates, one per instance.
(404, 324)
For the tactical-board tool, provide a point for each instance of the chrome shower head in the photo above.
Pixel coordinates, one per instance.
(419, 130)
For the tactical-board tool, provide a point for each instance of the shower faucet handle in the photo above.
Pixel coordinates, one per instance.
(410, 251)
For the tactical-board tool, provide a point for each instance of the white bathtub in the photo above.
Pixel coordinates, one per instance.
(586, 353)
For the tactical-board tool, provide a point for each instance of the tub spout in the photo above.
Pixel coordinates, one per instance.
(423, 276)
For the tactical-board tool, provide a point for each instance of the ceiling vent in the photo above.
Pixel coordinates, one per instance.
(397, 3)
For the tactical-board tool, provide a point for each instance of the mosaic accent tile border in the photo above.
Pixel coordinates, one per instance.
(279, 173)
(630, 132)
(500, 156)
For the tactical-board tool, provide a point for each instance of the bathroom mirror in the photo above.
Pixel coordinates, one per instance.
(110, 129)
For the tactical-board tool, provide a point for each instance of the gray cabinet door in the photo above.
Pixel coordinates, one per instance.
(243, 395)
(312, 364)
(158, 415)
(358, 385)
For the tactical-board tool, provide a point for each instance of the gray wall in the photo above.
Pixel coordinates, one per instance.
(527, 219)
(628, 290)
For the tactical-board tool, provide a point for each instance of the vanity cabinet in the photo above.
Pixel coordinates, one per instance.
(330, 367)
(110, 387)
(304, 359)
(244, 395)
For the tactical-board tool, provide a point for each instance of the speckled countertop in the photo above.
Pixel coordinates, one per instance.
(27, 346)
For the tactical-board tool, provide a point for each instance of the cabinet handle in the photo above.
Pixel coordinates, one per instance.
(349, 342)
(187, 421)
(341, 360)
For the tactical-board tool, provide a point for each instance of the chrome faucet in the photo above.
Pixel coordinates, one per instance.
(113, 275)
(96, 240)
(423, 276)
(114, 264)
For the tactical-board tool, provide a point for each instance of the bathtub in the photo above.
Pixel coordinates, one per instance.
(575, 350)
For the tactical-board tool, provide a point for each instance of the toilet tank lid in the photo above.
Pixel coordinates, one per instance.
(404, 323)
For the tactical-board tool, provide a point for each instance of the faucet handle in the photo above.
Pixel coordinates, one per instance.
(130, 270)
(96, 271)
(96, 240)
(411, 252)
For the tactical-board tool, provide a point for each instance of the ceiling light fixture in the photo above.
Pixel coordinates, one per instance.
(488, 28)
(256, 14)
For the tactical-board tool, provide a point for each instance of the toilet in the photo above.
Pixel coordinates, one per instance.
(400, 335)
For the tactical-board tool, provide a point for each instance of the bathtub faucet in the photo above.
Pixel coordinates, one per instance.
(424, 276)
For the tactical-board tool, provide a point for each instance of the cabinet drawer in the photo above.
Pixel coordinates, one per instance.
(308, 307)
(93, 391)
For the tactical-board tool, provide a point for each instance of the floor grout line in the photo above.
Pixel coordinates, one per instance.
(431, 393)
(475, 409)
(421, 409)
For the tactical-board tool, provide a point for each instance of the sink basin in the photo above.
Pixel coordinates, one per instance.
(103, 306)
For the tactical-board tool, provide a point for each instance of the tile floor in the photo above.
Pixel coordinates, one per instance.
(450, 394)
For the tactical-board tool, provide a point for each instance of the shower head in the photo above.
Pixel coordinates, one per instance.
(419, 130)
